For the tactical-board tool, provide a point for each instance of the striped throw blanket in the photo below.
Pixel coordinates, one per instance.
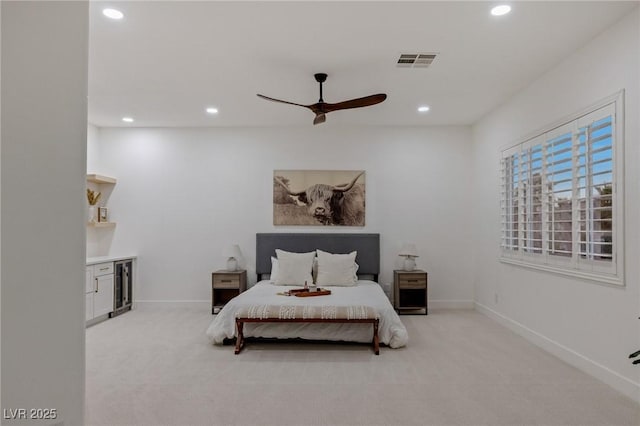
(354, 312)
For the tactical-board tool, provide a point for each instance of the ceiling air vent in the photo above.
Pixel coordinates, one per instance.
(416, 60)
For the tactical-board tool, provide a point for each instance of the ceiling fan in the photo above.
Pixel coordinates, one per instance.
(321, 108)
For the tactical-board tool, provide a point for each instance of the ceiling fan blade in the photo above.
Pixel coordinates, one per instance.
(281, 101)
(321, 108)
(356, 103)
(320, 118)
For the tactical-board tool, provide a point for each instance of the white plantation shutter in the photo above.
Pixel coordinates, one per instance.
(509, 201)
(531, 197)
(559, 201)
(596, 188)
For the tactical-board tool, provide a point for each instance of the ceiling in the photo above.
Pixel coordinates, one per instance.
(164, 62)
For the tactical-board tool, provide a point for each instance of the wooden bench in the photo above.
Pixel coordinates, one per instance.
(308, 314)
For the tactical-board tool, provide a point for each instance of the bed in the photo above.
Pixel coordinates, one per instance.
(366, 292)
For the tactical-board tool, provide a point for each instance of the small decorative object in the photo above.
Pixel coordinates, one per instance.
(233, 253)
(92, 214)
(92, 197)
(313, 288)
(102, 214)
(409, 253)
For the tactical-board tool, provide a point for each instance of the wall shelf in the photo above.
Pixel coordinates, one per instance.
(101, 179)
(101, 224)
(96, 182)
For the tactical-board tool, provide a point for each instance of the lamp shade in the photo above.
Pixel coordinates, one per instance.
(232, 250)
(408, 250)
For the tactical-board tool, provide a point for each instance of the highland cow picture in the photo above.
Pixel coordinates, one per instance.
(319, 197)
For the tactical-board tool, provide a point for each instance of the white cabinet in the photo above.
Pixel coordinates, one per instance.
(88, 283)
(99, 287)
(89, 304)
(88, 293)
(100, 269)
(103, 297)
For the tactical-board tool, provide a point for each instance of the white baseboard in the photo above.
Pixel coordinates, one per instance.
(622, 384)
(96, 320)
(451, 304)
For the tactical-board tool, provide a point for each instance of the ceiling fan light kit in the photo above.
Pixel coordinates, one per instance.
(321, 108)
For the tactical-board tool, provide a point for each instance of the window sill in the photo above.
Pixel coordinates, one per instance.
(598, 278)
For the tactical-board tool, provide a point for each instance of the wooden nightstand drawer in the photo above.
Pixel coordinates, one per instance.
(409, 281)
(226, 281)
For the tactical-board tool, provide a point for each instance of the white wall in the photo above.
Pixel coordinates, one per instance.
(44, 110)
(591, 325)
(183, 194)
(93, 149)
(0, 202)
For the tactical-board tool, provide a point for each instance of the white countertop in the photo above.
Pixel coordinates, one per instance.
(110, 258)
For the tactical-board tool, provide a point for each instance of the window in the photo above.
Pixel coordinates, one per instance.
(561, 197)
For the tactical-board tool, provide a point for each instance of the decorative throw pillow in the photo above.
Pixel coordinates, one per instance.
(274, 269)
(294, 268)
(337, 269)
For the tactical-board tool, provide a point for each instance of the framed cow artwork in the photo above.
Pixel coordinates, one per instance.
(319, 197)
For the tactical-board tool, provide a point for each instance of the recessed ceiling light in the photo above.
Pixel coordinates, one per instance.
(212, 110)
(503, 9)
(127, 119)
(112, 13)
(423, 108)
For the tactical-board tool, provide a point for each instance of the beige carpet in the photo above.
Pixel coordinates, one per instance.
(154, 366)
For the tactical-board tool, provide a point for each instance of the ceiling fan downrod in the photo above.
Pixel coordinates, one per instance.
(320, 78)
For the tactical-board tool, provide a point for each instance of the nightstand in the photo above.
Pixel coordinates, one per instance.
(410, 291)
(225, 285)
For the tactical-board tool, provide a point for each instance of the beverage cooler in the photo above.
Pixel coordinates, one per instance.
(123, 287)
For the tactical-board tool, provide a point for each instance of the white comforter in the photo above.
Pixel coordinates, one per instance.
(391, 330)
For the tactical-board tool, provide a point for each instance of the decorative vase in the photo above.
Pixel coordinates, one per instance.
(92, 214)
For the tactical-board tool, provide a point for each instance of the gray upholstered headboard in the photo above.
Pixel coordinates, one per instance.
(367, 246)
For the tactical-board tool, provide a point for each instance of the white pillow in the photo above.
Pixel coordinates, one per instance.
(274, 269)
(294, 268)
(314, 269)
(337, 269)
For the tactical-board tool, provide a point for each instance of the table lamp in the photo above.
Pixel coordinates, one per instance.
(232, 252)
(409, 252)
